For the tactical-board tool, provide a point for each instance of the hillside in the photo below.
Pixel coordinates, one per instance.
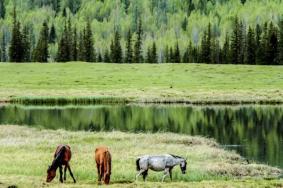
(165, 22)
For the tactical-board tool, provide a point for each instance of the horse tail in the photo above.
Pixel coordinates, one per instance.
(138, 164)
(108, 161)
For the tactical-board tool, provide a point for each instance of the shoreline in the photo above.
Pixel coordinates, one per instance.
(118, 100)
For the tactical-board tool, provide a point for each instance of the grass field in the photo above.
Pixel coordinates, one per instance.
(25, 154)
(144, 82)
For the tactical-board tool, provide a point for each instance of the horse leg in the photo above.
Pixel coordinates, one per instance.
(101, 172)
(65, 172)
(144, 175)
(61, 173)
(139, 173)
(170, 172)
(166, 173)
(71, 173)
(98, 172)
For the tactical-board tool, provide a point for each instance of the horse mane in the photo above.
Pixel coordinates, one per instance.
(176, 156)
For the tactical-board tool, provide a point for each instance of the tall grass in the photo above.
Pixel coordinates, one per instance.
(26, 153)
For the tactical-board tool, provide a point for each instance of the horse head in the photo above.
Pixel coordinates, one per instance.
(183, 166)
(51, 173)
(107, 178)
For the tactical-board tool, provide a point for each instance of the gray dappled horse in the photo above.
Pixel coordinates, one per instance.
(160, 163)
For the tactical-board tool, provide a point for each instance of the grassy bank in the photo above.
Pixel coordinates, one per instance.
(166, 83)
(25, 154)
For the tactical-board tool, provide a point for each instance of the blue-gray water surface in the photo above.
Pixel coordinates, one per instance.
(256, 132)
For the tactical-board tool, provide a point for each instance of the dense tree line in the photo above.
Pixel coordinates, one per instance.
(260, 45)
(244, 43)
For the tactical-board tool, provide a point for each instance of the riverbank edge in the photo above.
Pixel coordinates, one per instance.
(63, 100)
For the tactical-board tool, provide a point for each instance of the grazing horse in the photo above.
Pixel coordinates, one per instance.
(103, 164)
(62, 157)
(160, 163)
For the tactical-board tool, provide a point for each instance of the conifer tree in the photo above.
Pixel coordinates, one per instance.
(259, 49)
(26, 45)
(138, 58)
(2, 9)
(129, 49)
(70, 40)
(52, 34)
(154, 58)
(185, 58)
(116, 50)
(106, 57)
(272, 47)
(88, 44)
(280, 45)
(236, 42)
(63, 54)
(81, 51)
(16, 45)
(215, 51)
(177, 55)
(251, 47)
(194, 55)
(167, 55)
(40, 53)
(171, 55)
(209, 43)
(264, 43)
(99, 58)
(3, 53)
(75, 45)
(226, 59)
(148, 55)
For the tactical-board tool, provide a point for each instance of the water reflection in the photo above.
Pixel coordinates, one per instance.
(257, 131)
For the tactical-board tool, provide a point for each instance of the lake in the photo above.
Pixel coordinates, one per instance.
(256, 132)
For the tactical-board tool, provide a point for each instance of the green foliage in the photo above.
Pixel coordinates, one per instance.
(164, 21)
(40, 53)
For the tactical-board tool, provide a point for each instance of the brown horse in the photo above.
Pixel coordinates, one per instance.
(103, 164)
(62, 157)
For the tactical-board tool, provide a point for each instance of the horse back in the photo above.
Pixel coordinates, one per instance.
(102, 155)
(67, 153)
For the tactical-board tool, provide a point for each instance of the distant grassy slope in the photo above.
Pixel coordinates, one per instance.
(25, 154)
(144, 82)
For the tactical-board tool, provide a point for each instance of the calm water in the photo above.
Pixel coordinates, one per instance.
(256, 132)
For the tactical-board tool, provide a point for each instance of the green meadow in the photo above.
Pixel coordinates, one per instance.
(26, 153)
(191, 83)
